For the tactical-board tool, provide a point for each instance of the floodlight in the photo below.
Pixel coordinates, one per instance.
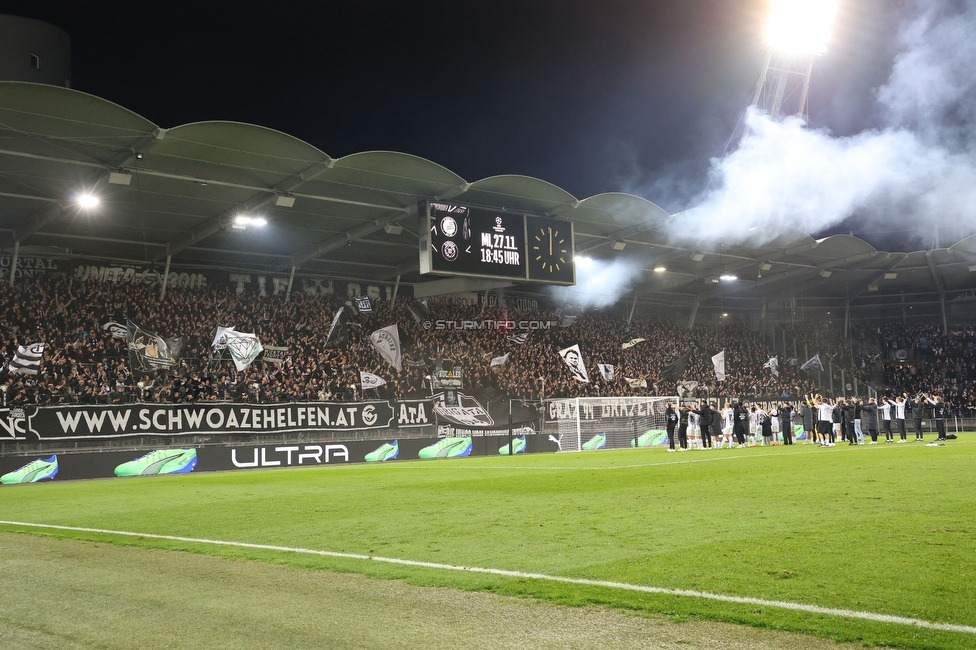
(242, 221)
(697, 257)
(727, 277)
(659, 269)
(890, 276)
(619, 245)
(119, 178)
(582, 259)
(800, 27)
(973, 268)
(393, 228)
(285, 201)
(87, 201)
(824, 273)
(765, 266)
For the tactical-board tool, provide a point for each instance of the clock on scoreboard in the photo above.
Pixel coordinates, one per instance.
(480, 242)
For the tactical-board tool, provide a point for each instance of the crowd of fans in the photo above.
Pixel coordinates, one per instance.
(86, 361)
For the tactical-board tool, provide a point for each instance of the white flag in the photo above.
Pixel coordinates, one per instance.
(574, 359)
(244, 348)
(386, 341)
(813, 363)
(631, 343)
(518, 339)
(719, 362)
(498, 361)
(370, 381)
(27, 360)
(220, 340)
(773, 365)
(606, 370)
(636, 383)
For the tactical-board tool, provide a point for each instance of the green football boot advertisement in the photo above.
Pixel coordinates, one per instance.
(34, 471)
(386, 451)
(518, 447)
(160, 461)
(447, 448)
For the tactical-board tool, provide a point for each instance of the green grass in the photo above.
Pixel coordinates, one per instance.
(887, 529)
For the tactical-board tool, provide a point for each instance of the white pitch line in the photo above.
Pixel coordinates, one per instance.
(813, 609)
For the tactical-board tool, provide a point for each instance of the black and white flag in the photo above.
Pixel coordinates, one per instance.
(419, 311)
(773, 365)
(499, 361)
(149, 352)
(370, 381)
(363, 305)
(718, 362)
(386, 341)
(631, 343)
(27, 359)
(338, 335)
(220, 338)
(518, 339)
(636, 383)
(275, 354)
(606, 370)
(813, 363)
(574, 359)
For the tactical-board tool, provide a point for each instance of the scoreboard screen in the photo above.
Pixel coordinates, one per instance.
(480, 242)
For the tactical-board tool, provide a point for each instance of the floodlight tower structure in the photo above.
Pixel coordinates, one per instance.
(796, 33)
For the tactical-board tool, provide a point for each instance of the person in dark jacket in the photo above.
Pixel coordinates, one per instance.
(869, 417)
(939, 412)
(683, 427)
(741, 423)
(786, 423)
(670, 422)
(704, 412)
(858, 411)
(918, 411)
(848, 418)
(806, 412)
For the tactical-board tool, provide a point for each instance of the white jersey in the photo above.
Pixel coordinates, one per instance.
(899, 410)
(693, 420)
(885, 411)
(825, 412)
(729, 415)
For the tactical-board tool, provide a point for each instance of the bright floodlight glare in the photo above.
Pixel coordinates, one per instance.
(800, 27)
(582, 259)
(87, 201)
(728, 278)
(242, 221)
(659, 269)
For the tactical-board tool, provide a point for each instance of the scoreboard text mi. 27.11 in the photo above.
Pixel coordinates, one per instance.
(467, 241)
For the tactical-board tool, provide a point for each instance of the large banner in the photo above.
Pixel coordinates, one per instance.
(81, 422)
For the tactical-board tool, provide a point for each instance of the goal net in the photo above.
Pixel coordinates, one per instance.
(586, 423)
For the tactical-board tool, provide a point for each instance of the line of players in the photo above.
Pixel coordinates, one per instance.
(701, 426)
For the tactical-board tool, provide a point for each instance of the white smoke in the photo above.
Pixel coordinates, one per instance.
(917, 168)
(600, 283)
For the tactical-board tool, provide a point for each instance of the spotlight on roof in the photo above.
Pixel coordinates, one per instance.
(725, 315)
(728, 277)
(583, 260)
(824, 273)
(800, 27)
(242, 221)
(393, 228)
(873, 287)
(659, 269)
(285, 201)
(891, 276)
(697, 257)
(765, 266)
(619, 245)
(87, 201)
(119, 178)
(973, 268)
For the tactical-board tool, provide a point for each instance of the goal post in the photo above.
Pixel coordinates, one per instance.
(587, 423)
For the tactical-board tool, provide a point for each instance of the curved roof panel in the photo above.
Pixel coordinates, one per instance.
(520, 193)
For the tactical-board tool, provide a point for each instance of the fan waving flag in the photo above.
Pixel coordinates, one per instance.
(631, 343)
(338, 335)
(386, 341)
(773, 365)
(518, 339)
(244, 348)
(718, 361)
(499, 361)
(606, 370)
(220, 339)
(149, 352)
(676, 369)
(813, 363)
(574, 359)
(27, 359)
(370, 381)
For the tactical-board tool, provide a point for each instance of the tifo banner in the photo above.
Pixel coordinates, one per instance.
(480, 409)
(34, 423)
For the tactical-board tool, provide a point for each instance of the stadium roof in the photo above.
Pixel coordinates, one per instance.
(186, 184)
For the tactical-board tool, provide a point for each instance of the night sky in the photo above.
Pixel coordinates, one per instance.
(618, 95)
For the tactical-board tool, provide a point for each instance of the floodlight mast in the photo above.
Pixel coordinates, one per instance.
(796, 32)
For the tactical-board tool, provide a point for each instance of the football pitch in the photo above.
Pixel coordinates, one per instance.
(871, 544)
